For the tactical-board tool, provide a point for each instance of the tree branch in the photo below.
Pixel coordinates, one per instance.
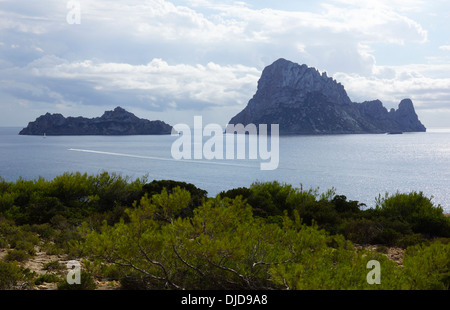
(242, 277)
(160, 265)
(186, 263)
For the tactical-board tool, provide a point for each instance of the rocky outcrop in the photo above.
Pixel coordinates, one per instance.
(303, 101)
(117, 122)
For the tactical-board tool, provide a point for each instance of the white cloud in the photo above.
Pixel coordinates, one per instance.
(391, 84)
(371, 21)
(399, 5)
(211, 84)
(37, 48)
(445, 47)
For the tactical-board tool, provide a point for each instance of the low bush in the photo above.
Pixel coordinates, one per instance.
(47, 278)
(11, 273)
(427, 267)
(416, 211)
(17, 255)
(53, 266)
(86, 283)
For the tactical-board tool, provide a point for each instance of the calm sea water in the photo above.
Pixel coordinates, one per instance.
(358, 166)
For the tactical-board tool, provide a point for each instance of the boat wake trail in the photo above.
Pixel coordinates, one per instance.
(203, 162)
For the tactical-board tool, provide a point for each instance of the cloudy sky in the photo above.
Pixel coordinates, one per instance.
(174, 59)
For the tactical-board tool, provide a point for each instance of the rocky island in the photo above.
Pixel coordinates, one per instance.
(117, 122)
(303, 101)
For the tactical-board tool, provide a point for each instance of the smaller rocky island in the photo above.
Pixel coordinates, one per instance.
(118, 122)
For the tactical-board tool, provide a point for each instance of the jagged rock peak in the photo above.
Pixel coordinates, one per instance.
(406, 105)
(304, 101)
(301, 79)
(119, 114)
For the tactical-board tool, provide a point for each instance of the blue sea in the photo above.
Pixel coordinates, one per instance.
(360, 167)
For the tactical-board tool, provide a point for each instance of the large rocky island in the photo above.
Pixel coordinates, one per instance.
(303, 101)
(117, 122)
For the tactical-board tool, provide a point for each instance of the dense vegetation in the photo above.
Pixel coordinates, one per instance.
(171, 235)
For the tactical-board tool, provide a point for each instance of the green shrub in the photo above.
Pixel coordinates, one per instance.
(53, 266)
(427, 267)
(87, 283)
(18, 238)
(73, 196)
(63, 239)
(347, 207)
(26, 246)
(3, 243)
(10, 274)
(47, 278)
(411, 240)
(360, 231)
(17, 255)
(416, 210)
(321, 212)
(51, 248)
(45, 231)
(135, 283)
(387, 236)
(7, 229)
(270, 200)
(197, 195)
(111, 190)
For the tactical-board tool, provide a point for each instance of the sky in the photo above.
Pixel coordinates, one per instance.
(173, 60)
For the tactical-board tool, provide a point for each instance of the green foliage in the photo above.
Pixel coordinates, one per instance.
(3, 243)
(20, 241)
(73, 196)
(361, 231)
(224, 246)
(143, 235)
(411, 239)
(346, 207)
(10, 274)
(86, 283)
(17, 255)
(170, 235)
(197, 195)
(45, 231)
(53, 266)
(428, 266)
(336, 268)
(417, 211)
(47, 278)
(168, 207)
(271, 199)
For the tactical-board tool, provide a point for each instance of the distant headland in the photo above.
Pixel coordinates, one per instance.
(118, 122)
(303, 101)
